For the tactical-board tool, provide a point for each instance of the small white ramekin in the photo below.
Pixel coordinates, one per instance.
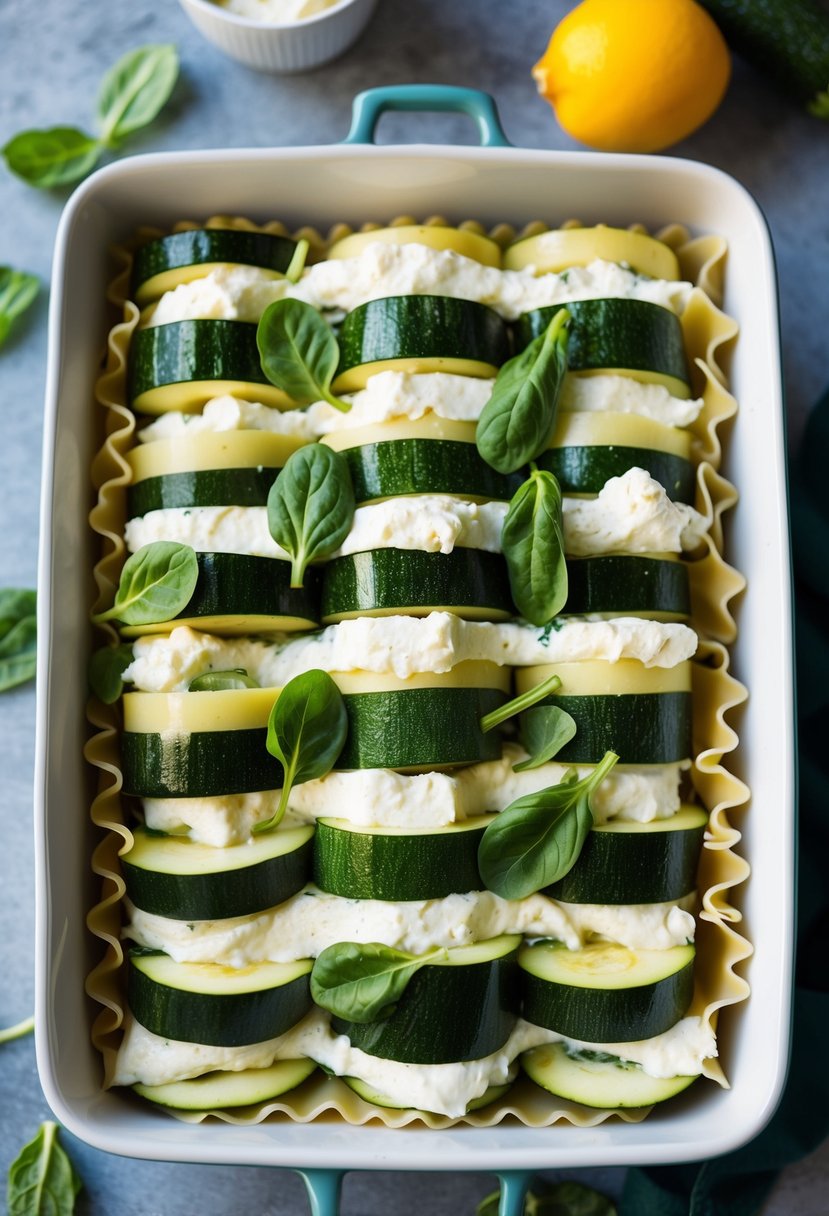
(291, 47)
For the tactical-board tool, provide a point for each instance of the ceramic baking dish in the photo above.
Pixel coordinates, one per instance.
(354, 182)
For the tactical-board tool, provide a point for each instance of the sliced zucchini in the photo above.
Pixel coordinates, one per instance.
(604, 992)
(238, 594)
(628, 585)
(216, 1005)
(426, 466)
(597, 1080)
(420, 334)
(223, 1090)
(164, 264)
(472, 583)
(461, 1008)
(208, 488)
(556, 250)
(626, 862)
(436, 236)
(398, 864)
(369, 1094)
(182, 365)
(176, 877)
(617, 336)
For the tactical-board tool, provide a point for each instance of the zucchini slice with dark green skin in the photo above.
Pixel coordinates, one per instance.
(461, 1009)
(223, 1090)
(420, 333)
(199, 764)
(625, 585)
(492, 1094)
(598, 1080)
(163, 264)
(176, 877)
(398, 865)
(615, 334)
(201, 488)
(642, 728)
(215, 1005)
(625, 862)
(426, 466)
(604, 992)
(584, 470)
(472, 583)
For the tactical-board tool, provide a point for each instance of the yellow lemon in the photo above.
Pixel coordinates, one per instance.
(634, 75)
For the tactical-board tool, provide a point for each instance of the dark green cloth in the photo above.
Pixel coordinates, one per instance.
(738, 1183)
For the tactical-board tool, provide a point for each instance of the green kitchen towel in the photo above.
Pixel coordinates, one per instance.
(738, 1183)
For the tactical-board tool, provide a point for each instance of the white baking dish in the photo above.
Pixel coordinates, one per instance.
(355, 183)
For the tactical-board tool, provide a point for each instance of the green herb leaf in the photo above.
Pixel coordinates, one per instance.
(518, 704)
(537, 839)
(532, 540)
(156, 583)
(42, 1181)
(55, 157)
(518, 420)
(18, 1031)
(135, 89)
(311, 506)
(15, 604)
(299, 352)
(362, 982)
(106, 669)
(306, 732)
(18, 653)
(222, 681)
(17, 293)
(544, 732)
(555, 1199)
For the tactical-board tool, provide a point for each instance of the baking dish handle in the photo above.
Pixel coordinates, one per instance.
(324, 1188)
(426, 98)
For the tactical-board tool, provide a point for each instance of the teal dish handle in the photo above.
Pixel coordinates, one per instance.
(426, 98)
(324, 1188)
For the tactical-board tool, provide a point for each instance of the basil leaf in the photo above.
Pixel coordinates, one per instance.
(222, 681)
(106, 668)
(537, 839)
(518, 420)
(306, 732)
(157, 582)
(18, 654)
(311, 506)
(362, 982)
(42, 1180)
(555, 1199)
(17, 1032)
(55, 157)
(299, 352)
(17, 292)
(544, 732)
(532, 540)
(135, 89)
(15, 604)
(518, 704)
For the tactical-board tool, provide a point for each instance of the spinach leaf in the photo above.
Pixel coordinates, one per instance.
(54, 157)
(299, 352)
(362, 982)
(518, 420)
(17, 293)
(306, 732)
(532, 539)
(157, 582)
(18, 637)
(544, 732)
(42, 1180)
(134, 90)
(518, 704)
(537, 839)
(222, 681)
(106, 669)
(18, 1031)
(555, 1199)
(311, 506)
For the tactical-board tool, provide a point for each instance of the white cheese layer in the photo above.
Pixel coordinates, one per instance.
(311, 920)
(231, 414)
(228, 293)
(631, 514)
(389, 395)
(431, 523)
(276, 12)
(207, 530)
(624, 395)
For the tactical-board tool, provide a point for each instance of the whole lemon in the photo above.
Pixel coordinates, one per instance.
(634, 75)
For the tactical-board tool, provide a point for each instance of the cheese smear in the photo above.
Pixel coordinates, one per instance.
(231, 414)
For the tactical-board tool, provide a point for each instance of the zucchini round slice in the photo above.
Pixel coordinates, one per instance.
(166, 263)
(221, 1090)
(625, 337)
(463, 1008)
(398, 864)
(408, 582)
(216, 1005)
(202, 488)
(176, 877)
(436, 236)
(426, 466)
(604, 992)
(594, 1079)
(369, 1094)
(182, 365)
(636, 863)
(420, 334)
(622, 585)
(556, 250)
(238, 594)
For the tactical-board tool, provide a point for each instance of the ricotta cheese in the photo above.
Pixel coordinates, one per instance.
(390, 394)
(231, 414)
(624, 395)
(207, 530)
(432, 523)
(228, 293)
(631, 514)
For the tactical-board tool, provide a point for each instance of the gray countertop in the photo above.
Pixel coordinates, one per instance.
(54, 53)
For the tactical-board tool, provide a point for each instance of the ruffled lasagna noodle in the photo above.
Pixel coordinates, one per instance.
(708, 333)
